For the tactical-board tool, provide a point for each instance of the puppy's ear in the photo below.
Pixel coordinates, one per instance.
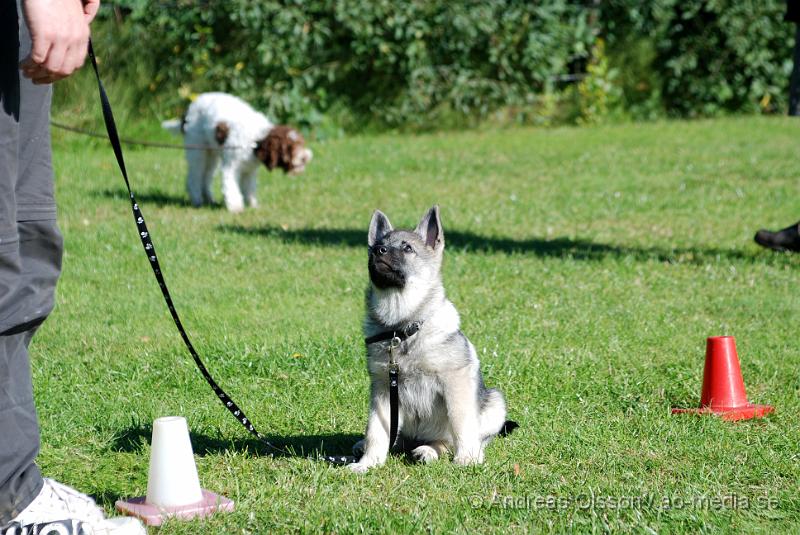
(430, 229)
(378, 228)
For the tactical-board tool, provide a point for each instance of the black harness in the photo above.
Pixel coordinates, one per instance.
(402, 334)
(395, 337)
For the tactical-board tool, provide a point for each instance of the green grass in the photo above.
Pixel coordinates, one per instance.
(588, 265)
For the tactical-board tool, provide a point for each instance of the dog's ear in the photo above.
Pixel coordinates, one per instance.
(288, 140)
(265, 153)
(430, 229)
(378, 228)
(276, 150)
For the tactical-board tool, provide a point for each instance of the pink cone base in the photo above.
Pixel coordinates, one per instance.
(731, 414)
(154, 516)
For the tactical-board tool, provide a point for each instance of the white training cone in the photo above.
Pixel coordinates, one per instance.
(172, 480)
(173, 488)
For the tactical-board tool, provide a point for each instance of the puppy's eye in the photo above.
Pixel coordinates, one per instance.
(408, 249)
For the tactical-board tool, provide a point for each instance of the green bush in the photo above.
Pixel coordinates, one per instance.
(598, 96)
(708, 56)
(386, 62)
(726, 55)
(326, 64)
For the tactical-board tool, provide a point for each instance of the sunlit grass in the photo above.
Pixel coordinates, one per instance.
(588, 265)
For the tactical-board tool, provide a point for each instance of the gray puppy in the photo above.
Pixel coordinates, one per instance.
(444, 404)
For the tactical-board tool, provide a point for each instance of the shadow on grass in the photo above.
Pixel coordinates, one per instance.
(154, 198)
(312, 447)
(133, 438)
(576, 249)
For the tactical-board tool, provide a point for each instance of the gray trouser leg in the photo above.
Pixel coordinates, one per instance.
(30, 259)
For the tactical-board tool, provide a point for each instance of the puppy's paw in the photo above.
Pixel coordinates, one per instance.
(358, 468)
(358, 448)
(424, 454)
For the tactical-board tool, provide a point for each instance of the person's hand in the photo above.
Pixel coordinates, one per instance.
(60, 33)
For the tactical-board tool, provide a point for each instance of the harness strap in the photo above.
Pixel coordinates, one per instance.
(409, 330)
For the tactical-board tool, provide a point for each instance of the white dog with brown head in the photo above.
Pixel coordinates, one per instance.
(239, 138)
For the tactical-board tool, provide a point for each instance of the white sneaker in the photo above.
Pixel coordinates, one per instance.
(62, 510)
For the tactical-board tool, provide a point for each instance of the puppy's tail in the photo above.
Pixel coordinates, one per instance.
(174, 125)
(508, 428)
(493, 415)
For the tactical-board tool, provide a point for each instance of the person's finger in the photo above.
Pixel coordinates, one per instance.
(74, 58)
(55, 58)
(40, 49)
(90, 8)
(78, 48)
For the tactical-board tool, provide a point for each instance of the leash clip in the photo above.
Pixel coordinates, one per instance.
(394, 344)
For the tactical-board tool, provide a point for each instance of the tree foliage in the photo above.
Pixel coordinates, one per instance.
(413, 62)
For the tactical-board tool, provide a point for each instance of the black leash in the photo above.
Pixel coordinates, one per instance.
(394, 395)
(395, 339)
(150, 251)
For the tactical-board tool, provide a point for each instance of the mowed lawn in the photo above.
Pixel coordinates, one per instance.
(588, 264)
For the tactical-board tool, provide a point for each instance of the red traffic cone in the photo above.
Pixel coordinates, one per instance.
(723, 386)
